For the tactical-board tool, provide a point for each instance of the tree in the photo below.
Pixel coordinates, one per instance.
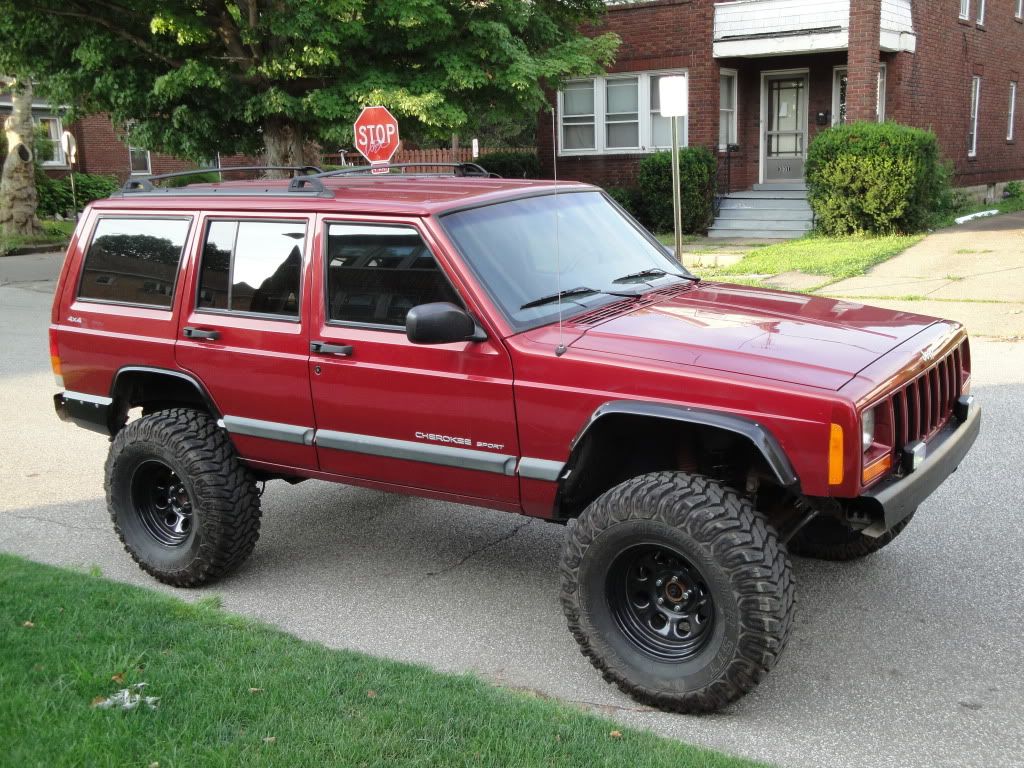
(17, 185)
(197, 77)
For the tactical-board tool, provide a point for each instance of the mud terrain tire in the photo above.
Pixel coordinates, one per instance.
(184, 506)
(711, 533)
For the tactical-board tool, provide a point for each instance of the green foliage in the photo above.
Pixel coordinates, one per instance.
(879, 178)
(195, 78)
(55, 194)
(697, 168)
(211, 177)
(1014, 190)
(628, 198)
(512, 165)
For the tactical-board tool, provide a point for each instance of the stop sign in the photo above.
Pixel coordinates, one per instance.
(376, 132)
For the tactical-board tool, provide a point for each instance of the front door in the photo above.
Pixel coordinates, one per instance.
(784, 128)
(436, 417)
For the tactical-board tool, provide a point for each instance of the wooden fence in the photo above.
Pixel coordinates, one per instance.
(461, 155)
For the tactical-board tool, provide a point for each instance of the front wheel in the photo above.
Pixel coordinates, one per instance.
(677, 590)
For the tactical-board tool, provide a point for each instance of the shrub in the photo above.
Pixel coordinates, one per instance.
(210, 177)
(628, 198)
(876, 177)
(512, 165)
(1014, 190)
(55, 194)
(697, 167)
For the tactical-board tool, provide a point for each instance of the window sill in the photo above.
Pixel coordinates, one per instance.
(142, 173)
(50, 166)
(612, 152)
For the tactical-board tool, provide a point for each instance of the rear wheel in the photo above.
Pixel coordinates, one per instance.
(184, 506)
(677, 590)
(827, 538)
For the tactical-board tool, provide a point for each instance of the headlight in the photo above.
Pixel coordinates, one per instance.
(867, 429)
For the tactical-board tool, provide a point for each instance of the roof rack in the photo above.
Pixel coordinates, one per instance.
(458, 169)
(303, 176)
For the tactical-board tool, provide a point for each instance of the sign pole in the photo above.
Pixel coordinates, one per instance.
(677, 201)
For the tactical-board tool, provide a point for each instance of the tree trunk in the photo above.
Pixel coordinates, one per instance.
(18, 199)
(286, 145)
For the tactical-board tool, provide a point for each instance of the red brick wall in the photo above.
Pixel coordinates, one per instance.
(928, 89)
(932, 87)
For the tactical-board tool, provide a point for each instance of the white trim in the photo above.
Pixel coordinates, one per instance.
(644, 118)
(1019, 13)
(149, 161)
(59, 160)
(981, 11)
(1013, 111)
(734, 127)
(972, 149)
(965, 10)
(765, 75)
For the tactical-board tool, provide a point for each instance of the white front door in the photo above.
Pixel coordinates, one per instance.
(784, 127)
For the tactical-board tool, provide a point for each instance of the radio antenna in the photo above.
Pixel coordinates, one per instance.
(560, 349)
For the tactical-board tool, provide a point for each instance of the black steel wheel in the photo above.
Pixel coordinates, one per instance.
(660, 601)
(162, 503)
(183, 504)
(677, 590)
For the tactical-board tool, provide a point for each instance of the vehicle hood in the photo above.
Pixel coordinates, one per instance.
(787, 337)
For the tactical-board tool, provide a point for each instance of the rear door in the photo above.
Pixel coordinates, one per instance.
(438, 417)
(243, 335)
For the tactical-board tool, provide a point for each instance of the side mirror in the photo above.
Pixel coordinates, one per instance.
(441, 323)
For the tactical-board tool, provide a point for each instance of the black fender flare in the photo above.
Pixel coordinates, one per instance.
(758, 435)
(123, 373)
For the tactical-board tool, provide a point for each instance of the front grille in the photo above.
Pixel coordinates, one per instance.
(924, 405)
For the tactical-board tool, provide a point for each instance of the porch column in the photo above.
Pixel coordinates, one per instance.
(863, 60)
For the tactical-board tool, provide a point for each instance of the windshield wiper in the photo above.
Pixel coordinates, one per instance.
(580, 291)
(653, 272)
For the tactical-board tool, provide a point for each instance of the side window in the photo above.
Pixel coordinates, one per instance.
(252, 266)
(134, 261)
(376, 274)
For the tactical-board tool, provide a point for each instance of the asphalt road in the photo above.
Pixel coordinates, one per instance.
(909, 658)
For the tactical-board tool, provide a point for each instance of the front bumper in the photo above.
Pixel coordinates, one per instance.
(896, 498)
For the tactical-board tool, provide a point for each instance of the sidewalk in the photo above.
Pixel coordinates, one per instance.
(973, 273)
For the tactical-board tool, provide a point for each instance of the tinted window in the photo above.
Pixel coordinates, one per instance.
(377, 274)
(252, 266)
(134, 261)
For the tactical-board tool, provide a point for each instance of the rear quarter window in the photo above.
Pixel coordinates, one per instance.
(134, 261)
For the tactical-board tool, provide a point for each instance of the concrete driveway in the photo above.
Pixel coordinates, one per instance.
(973, 272)
(909, 658)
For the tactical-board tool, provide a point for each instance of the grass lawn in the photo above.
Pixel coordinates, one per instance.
(234, 692)
(56, 233)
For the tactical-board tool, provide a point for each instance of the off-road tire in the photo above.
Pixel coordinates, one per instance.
(825, 538)
(225, 503)
(735, 550)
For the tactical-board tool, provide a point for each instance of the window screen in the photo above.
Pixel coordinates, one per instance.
(134, 261)
(376, 274)
(252, 266)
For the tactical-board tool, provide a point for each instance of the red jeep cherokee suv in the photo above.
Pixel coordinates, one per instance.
(508, 344)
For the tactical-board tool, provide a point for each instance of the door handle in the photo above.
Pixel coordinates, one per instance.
(323, 348)
(200, 333)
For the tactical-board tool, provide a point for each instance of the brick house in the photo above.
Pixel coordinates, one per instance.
(767, 75)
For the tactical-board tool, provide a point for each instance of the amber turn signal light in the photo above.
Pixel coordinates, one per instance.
(835, 455)
(876, 469)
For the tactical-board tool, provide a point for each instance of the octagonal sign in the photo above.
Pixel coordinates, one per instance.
(376, 134)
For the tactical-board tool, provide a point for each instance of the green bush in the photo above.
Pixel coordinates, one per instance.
(210, 177)
(878, 178)
(1014, 190)
(512, 165)
(697, 167)
(55, 194)
(628, 198)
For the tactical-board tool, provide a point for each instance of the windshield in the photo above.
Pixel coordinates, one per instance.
(600, 255)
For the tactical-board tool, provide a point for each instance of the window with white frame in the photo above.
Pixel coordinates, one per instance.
(1020, 10)
(981, 11)
(965, 9)
(614, 114)
(1013, 110)
(727, 100)
(840, 83)
(972, 136)
(54, 131)
(140, 160)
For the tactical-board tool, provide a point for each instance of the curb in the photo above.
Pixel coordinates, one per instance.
(28, 250)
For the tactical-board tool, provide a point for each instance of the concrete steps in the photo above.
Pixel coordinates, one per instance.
(777, 211)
